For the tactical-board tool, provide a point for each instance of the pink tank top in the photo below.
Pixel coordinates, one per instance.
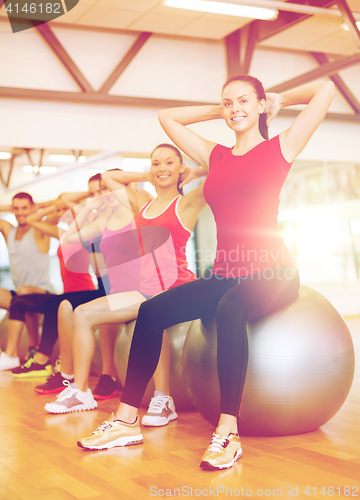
(120, 249)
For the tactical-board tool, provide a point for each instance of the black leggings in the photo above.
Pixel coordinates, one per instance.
(234, 301)
(48, 304)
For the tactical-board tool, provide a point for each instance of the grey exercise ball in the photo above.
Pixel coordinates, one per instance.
(301, 366)
(177, 335)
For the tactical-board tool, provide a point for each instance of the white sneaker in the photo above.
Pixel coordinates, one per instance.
(8, 362)
(71, 399)
(161, 410)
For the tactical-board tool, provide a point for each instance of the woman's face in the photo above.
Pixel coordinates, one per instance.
(166, 167)
(108, 197)
(241, 106)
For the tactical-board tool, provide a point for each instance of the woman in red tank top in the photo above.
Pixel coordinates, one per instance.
(253, 274)
(154, 239)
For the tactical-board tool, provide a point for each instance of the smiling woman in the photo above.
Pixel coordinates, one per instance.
(144, 257)
(242, 189)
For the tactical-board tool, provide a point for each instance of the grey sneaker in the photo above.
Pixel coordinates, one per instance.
(161, 410)
(71, 399)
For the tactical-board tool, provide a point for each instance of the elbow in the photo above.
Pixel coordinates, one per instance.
(330, 88)
(161, 115)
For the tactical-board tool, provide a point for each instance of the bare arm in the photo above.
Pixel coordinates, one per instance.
(192, 173)
(317, 97)
(5, 208)
(174, 122)
(78, 231)
(73, 199)
(46, 227)
(5, 228)
(118, 179)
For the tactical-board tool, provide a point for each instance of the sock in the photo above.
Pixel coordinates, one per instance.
(41, 363)
(123, 421)
(11, 357)
(66, 376)
(160, 393)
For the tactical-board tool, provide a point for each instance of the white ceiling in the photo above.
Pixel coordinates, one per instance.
(317, 33)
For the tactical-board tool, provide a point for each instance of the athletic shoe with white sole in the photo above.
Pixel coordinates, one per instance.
(161, 410)
(224, 450)
(71, 399)
(32, 369)
(8, 362)
(112, 433)
(106, 388)
(54, 384)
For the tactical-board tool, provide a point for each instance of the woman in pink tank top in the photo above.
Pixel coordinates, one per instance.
(150, 240)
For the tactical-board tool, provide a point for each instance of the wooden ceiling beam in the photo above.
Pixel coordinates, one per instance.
(143, 102)
(339, 82)
(349, 20)
(124, 63)
(324, 70)
(232, 44)
(58, 49)
(251, 41)
(240, 46)
(286, 19)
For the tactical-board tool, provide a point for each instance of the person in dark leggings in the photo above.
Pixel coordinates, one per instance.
(253, 272)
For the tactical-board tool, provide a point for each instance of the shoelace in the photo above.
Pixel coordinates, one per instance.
(65, 392)
(157, 403)
(218, 443)
(102, 428)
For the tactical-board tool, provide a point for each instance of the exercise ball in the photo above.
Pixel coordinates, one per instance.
(177, 335)
(300, 370)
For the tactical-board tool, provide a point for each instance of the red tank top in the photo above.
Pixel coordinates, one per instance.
(74, 267)
(243, 194)
(163, 264)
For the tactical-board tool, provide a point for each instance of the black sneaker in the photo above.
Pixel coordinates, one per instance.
(106, 388)
(53, 384)
(32, 369)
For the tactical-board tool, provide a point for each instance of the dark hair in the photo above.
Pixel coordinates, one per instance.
(24, 196)
(260, 92)
(96, 177)
(176, 150)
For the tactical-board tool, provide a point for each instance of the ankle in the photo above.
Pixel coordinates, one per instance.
(41, 358)
(11, 354)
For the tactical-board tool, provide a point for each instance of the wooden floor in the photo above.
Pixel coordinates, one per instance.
(39, 458)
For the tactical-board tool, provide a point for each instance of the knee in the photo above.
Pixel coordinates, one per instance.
(81, 315)
(149, 312)
(23, 290)
(65, 308)
(228, 307)
(16, 310)
(230, 313)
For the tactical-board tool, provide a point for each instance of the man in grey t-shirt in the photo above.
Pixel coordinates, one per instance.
(29, 266)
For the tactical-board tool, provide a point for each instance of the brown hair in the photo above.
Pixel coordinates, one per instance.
(24, 196)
